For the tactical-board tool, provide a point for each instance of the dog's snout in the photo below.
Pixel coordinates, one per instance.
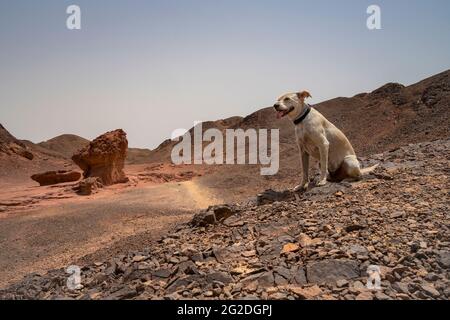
(276, 105)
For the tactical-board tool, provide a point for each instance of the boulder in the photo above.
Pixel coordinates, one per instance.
(54, 177)
(330, 271)
(212, 215)
(271, 196)
(444, 259)
(89, 185)
(104, 158)
(306, 293)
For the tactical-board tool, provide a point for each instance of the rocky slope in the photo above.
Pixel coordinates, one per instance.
(315, 245)
(9, 145)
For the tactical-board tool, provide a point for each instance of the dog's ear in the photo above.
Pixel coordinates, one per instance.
(302, 95)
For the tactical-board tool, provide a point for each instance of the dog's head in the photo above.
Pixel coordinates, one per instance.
(290, 103)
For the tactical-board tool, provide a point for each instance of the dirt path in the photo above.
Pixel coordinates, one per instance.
(53, 237)
(201, 196)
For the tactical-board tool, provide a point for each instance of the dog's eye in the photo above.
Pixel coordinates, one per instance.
(286, 99)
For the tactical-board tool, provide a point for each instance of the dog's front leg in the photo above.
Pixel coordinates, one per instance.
(305, 169)
(323, 149)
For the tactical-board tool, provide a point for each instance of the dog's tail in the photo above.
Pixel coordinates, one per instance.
(369, 170)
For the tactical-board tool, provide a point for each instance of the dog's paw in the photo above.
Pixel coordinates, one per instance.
(322, 182)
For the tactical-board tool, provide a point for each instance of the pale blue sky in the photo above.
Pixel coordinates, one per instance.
(150, 67)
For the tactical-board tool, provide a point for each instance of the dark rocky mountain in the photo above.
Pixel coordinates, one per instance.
(386, 118)
(66, 144)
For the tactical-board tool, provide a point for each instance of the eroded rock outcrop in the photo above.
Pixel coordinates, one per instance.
(89, 186)
(54, 177)
(104, 157)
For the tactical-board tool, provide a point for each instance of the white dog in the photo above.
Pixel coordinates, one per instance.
(319, 138)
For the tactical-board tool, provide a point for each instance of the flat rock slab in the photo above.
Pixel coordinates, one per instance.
(270, 196)
(54, 177)
(330, 271)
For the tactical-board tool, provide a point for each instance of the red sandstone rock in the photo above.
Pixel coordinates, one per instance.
(104, 157)
(55, 177)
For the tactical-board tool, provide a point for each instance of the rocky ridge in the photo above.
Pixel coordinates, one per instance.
(9, 145)
(315, 245)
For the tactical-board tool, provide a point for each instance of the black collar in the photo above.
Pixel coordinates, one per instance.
(303, 115)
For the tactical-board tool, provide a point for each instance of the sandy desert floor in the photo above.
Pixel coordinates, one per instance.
(51, 227)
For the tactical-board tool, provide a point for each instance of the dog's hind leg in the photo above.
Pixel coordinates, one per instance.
(323, 149)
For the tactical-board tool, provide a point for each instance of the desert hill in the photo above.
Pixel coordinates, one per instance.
(138, 156)
(386, 118)
(163, 152)
(66, 144)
